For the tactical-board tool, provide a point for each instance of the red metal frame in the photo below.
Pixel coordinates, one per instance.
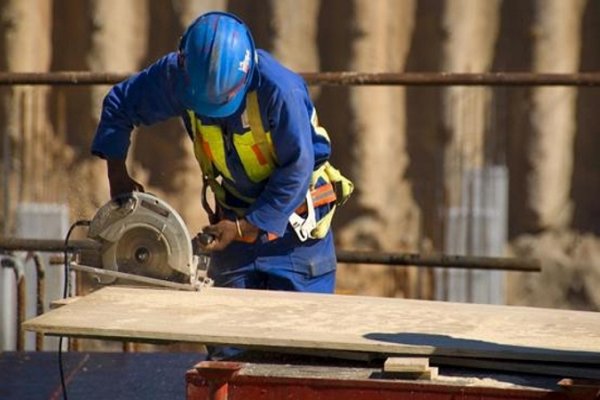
(214, 380)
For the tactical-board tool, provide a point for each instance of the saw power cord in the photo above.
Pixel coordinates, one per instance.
(66, 290)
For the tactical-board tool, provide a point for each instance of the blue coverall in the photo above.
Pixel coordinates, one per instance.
(285, 106)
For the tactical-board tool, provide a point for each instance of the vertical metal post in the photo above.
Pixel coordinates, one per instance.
(20, 311)
(218, 374)
(40, 295)
(6, 167)
(128, 347)
(17, 266)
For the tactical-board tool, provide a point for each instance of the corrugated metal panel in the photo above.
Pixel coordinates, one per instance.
(477, 227)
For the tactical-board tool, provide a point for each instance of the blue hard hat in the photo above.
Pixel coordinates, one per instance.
(218, 57)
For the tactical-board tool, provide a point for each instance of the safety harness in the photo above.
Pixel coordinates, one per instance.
(256, 152)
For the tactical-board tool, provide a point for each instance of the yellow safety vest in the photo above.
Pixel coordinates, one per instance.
(256, 152)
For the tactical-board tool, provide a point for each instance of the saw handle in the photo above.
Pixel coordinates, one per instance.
(206, 238)
(202, 239)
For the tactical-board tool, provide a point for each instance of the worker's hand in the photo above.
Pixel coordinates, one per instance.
(119, 180)
(226, 231)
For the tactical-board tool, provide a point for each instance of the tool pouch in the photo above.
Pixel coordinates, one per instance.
(343, 188)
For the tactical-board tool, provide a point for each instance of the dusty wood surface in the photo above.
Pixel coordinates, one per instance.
(274, 320)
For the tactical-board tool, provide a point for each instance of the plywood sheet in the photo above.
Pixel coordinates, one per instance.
(329, 322)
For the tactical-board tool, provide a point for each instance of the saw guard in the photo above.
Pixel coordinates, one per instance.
(140, 213)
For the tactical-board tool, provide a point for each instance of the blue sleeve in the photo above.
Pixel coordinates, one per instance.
(144, 99)
(287, 186)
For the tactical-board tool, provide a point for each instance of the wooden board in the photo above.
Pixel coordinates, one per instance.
(406, 364)
(269, 319)
(562, 370)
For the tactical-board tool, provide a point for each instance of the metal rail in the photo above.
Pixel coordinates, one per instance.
(47, 245)
(439, 261)
(448, 78)
(338, 78)
(343, 256)
(40, 270)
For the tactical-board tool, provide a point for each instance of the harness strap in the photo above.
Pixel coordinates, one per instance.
(335, 191)
(263, 148)
(200, 149)
(322, 195)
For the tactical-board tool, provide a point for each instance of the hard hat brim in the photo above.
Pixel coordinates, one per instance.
(215, 110)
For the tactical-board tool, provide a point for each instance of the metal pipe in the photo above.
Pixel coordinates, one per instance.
(343, 256)
(447, 79)
(439, 261)
(128, 347)
(16, 265)
(6, 172)
(338, 78)
(46, 245)
(40, 295)
(61, 78)
(75, 343)
(21, 295)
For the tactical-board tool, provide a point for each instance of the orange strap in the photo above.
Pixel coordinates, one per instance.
(252, 239)
(322, 195)
(246, 239)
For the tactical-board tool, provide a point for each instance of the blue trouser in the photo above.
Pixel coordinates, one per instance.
(283, 264)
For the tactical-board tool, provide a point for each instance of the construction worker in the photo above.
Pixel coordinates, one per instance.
(261, 151)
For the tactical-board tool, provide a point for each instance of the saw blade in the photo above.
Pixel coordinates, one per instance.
(143, 251)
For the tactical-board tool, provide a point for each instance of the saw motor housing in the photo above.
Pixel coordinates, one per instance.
(143, 235)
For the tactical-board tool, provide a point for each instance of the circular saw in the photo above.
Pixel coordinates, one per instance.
(142, 235)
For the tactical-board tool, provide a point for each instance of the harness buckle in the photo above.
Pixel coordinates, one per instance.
(304, 226)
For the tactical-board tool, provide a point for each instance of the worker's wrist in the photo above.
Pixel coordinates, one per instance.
(246, 228)
(117, 170)
(116, 164)
(240, 232)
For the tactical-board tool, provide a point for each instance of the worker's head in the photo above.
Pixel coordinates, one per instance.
(218, 57)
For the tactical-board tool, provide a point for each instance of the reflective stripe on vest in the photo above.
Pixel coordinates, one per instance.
(211, 142)
(262, 165)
